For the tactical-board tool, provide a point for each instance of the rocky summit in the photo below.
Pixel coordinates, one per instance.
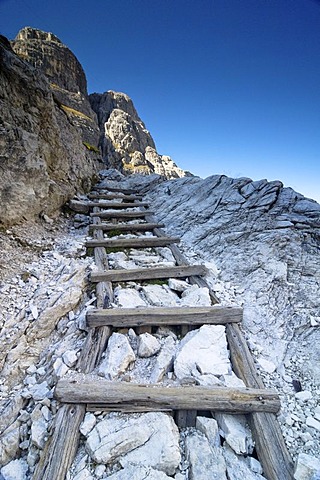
(257, 242)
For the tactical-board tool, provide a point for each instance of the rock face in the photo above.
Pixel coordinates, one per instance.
(42, 157)
(126, 143)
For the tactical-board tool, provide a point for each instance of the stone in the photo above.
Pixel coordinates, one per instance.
(60, 368)
(313, 423)
(209, 427)
(235, 430)
(138, 472)
(178, 285)
(38, 428)
(88, 423)
(84, 474)
(39, 391)
(15, 470)
(164, 360)
(237, 468)
(128, 298)
(99, 471)
(119, 355)
(148, 345)
(56, 162)
(203, 352)
(303, 396)
(307, 467)
(9, 443)
(150, 439)
(70, 358)
(159, 296)
(204, 461)
(254, 465)
(232, 381)
(266, 365)
(195, 296)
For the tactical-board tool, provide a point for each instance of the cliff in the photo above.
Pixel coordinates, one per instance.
(125, 142)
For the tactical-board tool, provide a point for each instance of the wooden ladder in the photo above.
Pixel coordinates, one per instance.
(84, 391)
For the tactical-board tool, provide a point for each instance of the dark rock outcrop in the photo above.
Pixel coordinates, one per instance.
(126, 143)
(43, 161)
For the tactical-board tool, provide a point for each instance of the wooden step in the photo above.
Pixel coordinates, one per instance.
(112, 205)
(113, 196)
(126, 191)
(147, 273)
(124, 396)
(139, 242)
(127, 227)
(115, 214)
(134, 317)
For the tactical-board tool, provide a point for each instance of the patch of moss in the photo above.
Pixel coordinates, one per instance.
(113, 250)
(114, 233)
(90, 147)
(156, 281)
(72, 111)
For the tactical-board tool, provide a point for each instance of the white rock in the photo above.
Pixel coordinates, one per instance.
(235, 430)
(139, 472)
(202, 352)
(232, 381)
(313, 423)
(9, 443)
(164, 360)
(205, 462)
(150, 439)
(38, 428)
(209, 427)
(99, 471)
(237, 467)
(307, 467)
(128, 298)
(148, 345)
(160, 296)
(84, 474)
(254, 465)
(39, 391)
(304, 395)
(15, 470)
(88, 423)
(119, 355)
(34, 311)
(70, 357)
(195, 297)
(317, 413)
(266, 365)
(178, 285)
(60, 368)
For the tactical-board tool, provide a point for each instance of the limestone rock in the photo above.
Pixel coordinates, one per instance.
(307, 467)
(148, 345)
(128, 298)
(126, 143)
(150, 439)
(203, 352)
(43, 159)
(209, 427)
(119, 355)
(195, 297)
(9, 443)
(164, 360)
(178, 285)
(204, 461)
(138, 472)
(159, 296)
(15, 470)
(237, 467)
(88, 424)
(235, 430)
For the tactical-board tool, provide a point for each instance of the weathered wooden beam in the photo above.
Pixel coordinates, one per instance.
(120, 205)
(126, 191)
(271, 449)
(132, 317)
(116, 214)
(139, 242)
(128, 227)
(113, 196)
(147, 273)
(93, 389)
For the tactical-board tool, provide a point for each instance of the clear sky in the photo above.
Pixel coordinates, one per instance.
(224, 86)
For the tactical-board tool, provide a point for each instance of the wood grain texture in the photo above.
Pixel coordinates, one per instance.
(93, 389)
(139, 242)
(120, 214)
(147, 273)
(113, 196)
(129, 227)
(116, 204)
(131, 317)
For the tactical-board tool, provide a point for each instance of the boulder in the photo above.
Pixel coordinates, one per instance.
(148, 345)
(205, 462)
(119, 355)
(307, 467)
(164, 360)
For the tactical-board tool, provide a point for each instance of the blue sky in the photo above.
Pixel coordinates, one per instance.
(224, 86)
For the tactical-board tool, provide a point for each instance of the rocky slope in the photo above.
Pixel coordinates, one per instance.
(125, 142)
(43, 159)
